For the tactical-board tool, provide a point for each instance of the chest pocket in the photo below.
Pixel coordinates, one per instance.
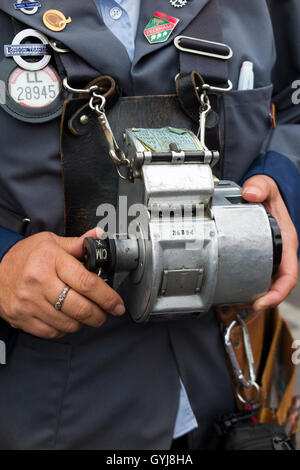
(246, 125)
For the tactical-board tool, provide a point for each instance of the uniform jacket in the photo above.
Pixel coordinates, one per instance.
(117, 387)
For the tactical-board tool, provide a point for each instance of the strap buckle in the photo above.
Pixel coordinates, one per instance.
(212, 53)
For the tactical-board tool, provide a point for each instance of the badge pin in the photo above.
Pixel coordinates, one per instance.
(55, 20)
(18, 49)
(178, 3)
(29, 8)
(160, 27)
(27, 50)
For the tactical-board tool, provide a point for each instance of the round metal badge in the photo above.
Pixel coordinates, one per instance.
(33, 65)
(34, 89)
(31, 96)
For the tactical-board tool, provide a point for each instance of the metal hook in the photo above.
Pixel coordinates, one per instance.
(79, 91)
(205, 108)
(238, 372)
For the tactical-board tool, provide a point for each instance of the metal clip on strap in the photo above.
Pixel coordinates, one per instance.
(115, 152)
(237, 370)
(215, 50)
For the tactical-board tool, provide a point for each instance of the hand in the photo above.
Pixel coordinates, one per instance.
(262, 188)
(34, 272)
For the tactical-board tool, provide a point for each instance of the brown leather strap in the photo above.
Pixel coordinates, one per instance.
(81, 121)
(187, 86)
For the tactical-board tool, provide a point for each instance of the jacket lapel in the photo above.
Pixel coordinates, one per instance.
(185, 15)
(86, 35)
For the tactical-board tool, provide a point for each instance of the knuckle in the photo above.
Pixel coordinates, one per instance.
(48, 333)
(13, 312)
(72, 327)
(45, 237)
(45, 249)
(83, 312)
(11, 315)
(101, 320)
(44, 252)
(87, 282)
(294, 281)
(110, 300)
(32, 274)
(23, 295)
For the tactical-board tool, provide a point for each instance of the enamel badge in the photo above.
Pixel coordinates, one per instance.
(160, 27)
(178, 3)
(21, 48)
(55, 20)
(29, 8)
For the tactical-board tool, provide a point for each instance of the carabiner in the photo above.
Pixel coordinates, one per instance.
(238, 372)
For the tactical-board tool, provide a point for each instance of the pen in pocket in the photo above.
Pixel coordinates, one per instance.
(246, 79)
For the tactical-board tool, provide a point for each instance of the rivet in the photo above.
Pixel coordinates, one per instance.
(84, 119)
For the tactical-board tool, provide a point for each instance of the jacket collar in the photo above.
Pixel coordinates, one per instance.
(88, 36)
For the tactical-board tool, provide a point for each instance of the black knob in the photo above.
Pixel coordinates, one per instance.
(277, 243)
(99, 255)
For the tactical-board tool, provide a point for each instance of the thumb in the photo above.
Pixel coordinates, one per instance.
(74, 245)
(256, 189)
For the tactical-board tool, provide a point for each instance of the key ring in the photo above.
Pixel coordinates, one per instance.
(243, 400)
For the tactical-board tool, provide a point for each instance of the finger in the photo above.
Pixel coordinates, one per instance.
(38, 328)
(256, 189)
(285, 283)
(57, 319)
(74, 245)
(76, 311)
(279, 291)
(74, 274)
